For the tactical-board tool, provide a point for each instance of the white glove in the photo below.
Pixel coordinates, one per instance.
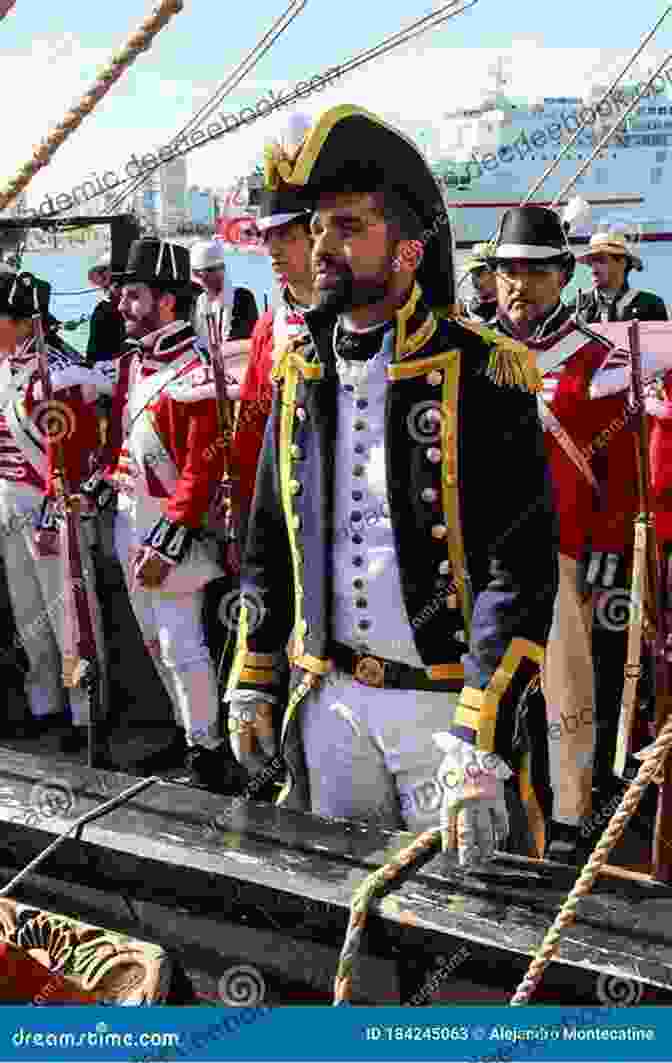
(474, 819)
(251, 729)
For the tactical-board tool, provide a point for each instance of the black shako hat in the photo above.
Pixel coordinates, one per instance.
(23, 294)
(531, 232)
(352, 147)
(159, 264)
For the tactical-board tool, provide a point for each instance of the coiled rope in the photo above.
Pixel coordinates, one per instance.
(138, 42)
(428, 844)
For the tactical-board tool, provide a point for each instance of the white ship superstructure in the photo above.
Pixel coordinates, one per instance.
(489, 156)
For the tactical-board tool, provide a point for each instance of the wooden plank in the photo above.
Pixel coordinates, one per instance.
(218, 858)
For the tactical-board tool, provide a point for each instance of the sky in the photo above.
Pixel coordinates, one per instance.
(52, 52)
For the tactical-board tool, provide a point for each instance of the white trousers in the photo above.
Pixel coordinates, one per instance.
(37, 594)
(568, 683)
(172, 629)
(370, 753)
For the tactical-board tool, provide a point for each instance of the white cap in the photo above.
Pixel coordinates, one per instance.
(206, 254)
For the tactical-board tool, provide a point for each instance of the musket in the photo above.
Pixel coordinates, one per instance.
(225, 500)
(80, 658)
(643, 591)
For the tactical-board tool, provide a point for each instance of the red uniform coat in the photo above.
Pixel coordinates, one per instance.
(660, 407)
(255, 407)
(598, 428)
(187, 426)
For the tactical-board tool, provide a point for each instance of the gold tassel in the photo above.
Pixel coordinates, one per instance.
(512, 365)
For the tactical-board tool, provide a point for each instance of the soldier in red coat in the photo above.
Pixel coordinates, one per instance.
(592, 461)
(284, 224)
(166, 463)
(29, 422)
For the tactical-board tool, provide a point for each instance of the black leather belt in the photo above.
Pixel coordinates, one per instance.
(379, 672)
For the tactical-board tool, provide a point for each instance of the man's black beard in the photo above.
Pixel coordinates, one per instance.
(350, 294)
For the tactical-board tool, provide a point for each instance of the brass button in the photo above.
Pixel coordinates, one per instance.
(439, 531)
(429, 494)
(445, 568)
(296, 522)
(433, 455)
(296, 452)
(434, 378)
(294, 487)
(301, 413)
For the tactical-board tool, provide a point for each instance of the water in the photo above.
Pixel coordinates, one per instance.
(66, 272)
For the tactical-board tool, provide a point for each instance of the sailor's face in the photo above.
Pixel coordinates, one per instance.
(484, 283)
(353, 260)
(212, 278)
(289, 248)
(139, 308)
(9, 336)
(608, 271)
(527, 290)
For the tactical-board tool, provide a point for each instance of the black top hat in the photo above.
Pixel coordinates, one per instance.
(159, 264)
(530, 232)
(22, 294)
(279, 206)
(348, 146)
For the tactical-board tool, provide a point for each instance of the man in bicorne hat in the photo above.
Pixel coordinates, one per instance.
(612, 259)
(167, 462)
(32, 553)
(402, 524)
(284, 224)
(595, 483)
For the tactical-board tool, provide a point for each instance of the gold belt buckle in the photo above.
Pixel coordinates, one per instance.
(370, 671)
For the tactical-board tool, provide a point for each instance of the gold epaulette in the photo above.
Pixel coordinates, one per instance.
(282, 353)
(511, 364)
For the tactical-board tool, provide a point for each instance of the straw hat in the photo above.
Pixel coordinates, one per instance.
(478, 257)
(610, 243)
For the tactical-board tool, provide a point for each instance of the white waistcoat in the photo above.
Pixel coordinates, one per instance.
(368, 610)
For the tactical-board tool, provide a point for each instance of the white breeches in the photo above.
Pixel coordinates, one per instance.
(172, 628)
(36, 590)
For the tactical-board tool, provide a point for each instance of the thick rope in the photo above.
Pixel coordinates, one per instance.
(650, 771)
(138, 42)
(418, 852)
(427, 844)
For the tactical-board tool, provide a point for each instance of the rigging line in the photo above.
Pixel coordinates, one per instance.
(227, 86)
(222, 89)
(547, 173)
(582, 169)
(359, 59)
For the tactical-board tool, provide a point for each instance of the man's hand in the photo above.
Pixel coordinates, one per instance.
(150, 569)
(251, 731)
(474, 819)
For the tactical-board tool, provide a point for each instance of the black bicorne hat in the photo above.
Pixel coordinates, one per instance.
(159, 264)
(23, 294)
(530, 232)
(350, 146)
(279, 206)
